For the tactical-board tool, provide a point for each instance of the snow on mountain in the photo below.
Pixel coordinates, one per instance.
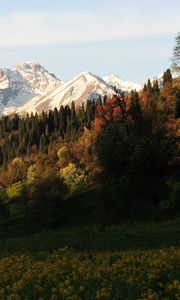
(121, 84)
(37, 76)
(159, 78)
(14, 90)
(84, 86)
(22, 83)
(29, 87)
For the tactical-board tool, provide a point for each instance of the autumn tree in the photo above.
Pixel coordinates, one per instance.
(113, 109)
(176, 54)
(138, 156)
(19, 169)
(74, 177)
(84, 153)
(32, 174)
(64, 156)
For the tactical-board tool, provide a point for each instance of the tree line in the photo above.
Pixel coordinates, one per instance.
(21, 136)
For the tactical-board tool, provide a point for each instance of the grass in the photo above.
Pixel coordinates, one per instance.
(93, 238)
(81, 228)
(83, 259)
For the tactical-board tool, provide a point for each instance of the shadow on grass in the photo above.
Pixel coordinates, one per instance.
(81, 228)
(122, 237)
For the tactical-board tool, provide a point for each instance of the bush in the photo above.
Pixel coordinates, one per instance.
(46, 208)
(75, 178)
(32, 174)
(63, 156)
(121, 203)
(43, 200)
(172, 204)
(4, 211)
(104, 275)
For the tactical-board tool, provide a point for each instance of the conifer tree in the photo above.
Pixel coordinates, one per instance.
(56, 118)
(42, 144)
(135, 109)
(62, 121)
(156, 88)
(149, 87)
(28, 149)
(167, 78)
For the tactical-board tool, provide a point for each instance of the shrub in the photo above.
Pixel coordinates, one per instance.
(46, 208)
(172, 203)
(43, 200)
(175, 195)
(75, 178)
(32, 174)
(4, 211)
(64, 156)
(105, 275)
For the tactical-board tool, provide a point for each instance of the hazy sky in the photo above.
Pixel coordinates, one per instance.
(132, 39)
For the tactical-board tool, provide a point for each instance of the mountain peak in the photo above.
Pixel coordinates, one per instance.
(113, 76)
(86, 74)
(23, 82)
(90, 77)
(37, 76)
(122, 84)
(29, 66)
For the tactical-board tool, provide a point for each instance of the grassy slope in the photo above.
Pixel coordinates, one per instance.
(84, 259)
(125, 237)
(81, 228)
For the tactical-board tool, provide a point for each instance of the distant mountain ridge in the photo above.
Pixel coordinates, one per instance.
(29, 87)
(24, 82)
(122, 84)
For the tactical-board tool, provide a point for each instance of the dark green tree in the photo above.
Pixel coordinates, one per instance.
(42, 144)
(140, 162)
(167, 78)
(135, 109)
(56, 118)
(149, 87)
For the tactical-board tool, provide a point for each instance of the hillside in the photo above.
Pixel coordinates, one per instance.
(84, 259)
(89, 196)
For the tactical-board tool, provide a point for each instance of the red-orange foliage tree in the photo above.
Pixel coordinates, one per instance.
(112, 110)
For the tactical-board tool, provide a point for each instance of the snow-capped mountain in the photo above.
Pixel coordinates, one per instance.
(159, 79)
(23, 82)
(84, 86)
(122, 84)
(38, 77)
(29, 87)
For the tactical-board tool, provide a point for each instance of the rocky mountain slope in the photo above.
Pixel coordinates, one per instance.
(29, 87)
(24, 82)
(84, 86)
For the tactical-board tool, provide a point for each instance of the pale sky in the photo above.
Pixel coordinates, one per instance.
(132, 39)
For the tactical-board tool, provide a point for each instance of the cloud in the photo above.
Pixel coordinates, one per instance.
(45, 28)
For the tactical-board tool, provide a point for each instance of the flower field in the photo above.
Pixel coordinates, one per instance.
(71, 275)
